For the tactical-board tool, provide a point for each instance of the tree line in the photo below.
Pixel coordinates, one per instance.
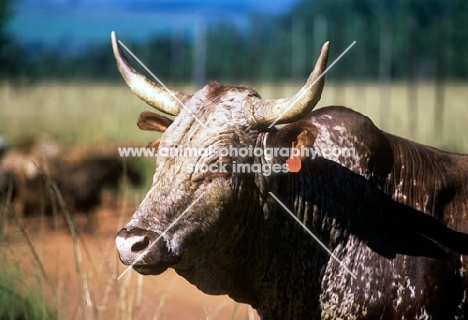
(400, 39)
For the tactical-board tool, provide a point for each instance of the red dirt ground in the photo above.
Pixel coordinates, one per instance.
(82, 279)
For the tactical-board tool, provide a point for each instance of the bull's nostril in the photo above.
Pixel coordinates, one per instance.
(141, 245)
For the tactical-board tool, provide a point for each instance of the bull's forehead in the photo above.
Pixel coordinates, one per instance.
(215, 93)
(214, 110)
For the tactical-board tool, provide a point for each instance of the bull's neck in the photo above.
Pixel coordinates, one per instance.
(292, 262)
(292, 269)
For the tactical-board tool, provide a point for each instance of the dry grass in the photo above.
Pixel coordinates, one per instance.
(70, 113)
(390, 109)
(99, 112)
(82, 270)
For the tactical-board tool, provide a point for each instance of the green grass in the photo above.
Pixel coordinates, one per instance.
(18, 298)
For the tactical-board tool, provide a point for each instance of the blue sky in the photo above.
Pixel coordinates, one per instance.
(62, 22)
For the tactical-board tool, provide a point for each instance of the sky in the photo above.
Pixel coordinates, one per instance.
(67, 22)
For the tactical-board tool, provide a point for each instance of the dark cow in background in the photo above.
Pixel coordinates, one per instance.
(236, 239)
(3, 146)
(30, 169)
(4, 178)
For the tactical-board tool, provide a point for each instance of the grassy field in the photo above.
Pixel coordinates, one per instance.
(79, 114)
(98, 112)
(80, 272)
(404, 111)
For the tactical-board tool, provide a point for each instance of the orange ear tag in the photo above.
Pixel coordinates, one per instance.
(294, 163)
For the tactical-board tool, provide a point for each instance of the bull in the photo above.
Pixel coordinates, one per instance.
(396, 256)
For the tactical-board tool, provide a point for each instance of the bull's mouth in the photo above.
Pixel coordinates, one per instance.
(155, 270)
(152, 265)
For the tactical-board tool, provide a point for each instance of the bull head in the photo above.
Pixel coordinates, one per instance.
(219, 222)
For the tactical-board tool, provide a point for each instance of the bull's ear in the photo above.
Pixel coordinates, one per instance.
(151, 121)
(302, 132)
(153, 144)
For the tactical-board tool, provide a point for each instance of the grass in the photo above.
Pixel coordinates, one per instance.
(102, 113)
(390, 109)
(99, 113)
(80, 114)
(19, 299)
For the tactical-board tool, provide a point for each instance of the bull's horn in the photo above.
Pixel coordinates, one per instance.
(265, 112)
(157, 97)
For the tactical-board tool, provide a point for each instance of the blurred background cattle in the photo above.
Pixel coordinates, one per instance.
(35, 175)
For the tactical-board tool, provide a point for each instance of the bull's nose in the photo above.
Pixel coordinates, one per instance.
(132, 243)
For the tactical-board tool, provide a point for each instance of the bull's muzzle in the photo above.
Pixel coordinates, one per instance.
(143, 249)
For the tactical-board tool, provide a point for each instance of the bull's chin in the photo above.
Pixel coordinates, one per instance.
(151, 269)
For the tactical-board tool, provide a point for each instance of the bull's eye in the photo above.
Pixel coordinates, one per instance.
(223, 166)
(218, 168)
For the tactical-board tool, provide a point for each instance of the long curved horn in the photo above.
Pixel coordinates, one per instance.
(265, 112)
(148, 91)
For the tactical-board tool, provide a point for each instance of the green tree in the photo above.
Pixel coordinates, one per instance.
(5, 14)
(10, 51)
